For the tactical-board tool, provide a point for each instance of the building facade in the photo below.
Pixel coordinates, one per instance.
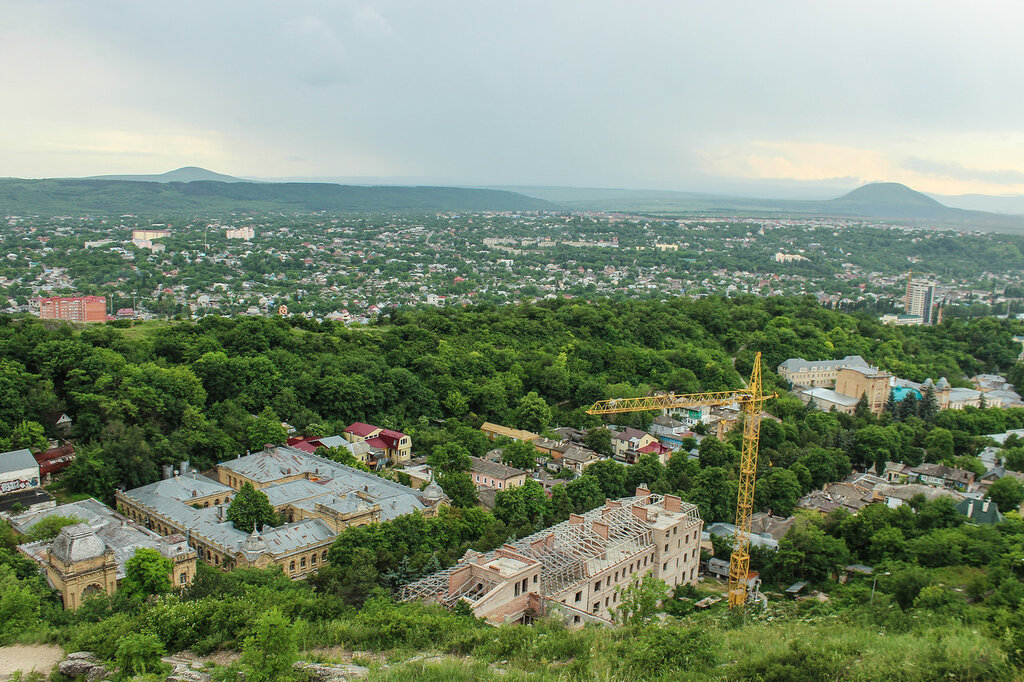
(813, 373)
(74, 308)
(869, 381)
(316, 497)
(495, 474)
(575, 570)
(394, 445)
(920, 300)
(89, 557)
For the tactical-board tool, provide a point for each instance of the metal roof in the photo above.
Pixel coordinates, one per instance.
(17, 460)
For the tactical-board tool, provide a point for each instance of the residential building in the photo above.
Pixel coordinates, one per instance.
(571, 571)
(150, 234)
(944, 476)
(393, 445)
(495, 474)
(316, 497)
(920, 300)
(89, 557)
(577, 458)
(493, 431)
(980, 511)
(74, 308)
(247, 233)
(812, 373)
(630, 440)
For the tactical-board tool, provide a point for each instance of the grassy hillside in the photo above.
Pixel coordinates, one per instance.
(80, 196)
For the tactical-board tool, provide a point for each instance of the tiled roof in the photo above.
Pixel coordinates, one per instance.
(361, 429)
(494, 469)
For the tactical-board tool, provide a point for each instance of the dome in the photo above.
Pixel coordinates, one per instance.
(943, 383)
(77, 543)
(255, 545)
(433, 492)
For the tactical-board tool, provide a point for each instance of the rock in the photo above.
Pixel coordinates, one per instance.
(324, 672)
(83, 664)
(186, 670)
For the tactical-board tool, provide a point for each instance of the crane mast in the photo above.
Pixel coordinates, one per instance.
(751, 399)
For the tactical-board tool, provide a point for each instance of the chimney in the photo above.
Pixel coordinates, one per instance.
(183, 467)
(643, 493)
(168, 471)
(672, 503)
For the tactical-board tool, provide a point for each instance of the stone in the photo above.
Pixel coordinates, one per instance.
(83, 664)
(324, 672)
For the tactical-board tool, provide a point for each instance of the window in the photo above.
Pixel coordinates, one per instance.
(597, 586)
(616, 576)
(312, 560)
(534, 579)
(666, 546)
(579, 597)
(645, 561)
(183, 579)
(575, 619)
(675, 530)
(525, 583)
(606, 602)
(597, 607)
(665, 567)
(324, 556)
(291, 567)
(517, 589)
(302, 562)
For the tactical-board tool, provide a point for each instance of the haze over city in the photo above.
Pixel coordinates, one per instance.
(755, 97)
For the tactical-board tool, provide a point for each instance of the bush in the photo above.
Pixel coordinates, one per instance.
(657, 650)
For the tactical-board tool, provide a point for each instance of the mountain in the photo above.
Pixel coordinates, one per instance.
(115, 197)
(184, 174)
(885, 201)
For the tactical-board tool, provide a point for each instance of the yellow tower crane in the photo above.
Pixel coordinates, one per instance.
(751, 399)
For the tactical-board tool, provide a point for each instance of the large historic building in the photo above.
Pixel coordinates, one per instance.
(574, 570)
(89, 557)
(316, 497)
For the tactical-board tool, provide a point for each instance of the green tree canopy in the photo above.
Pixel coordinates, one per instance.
(148, 572)
(251, 509)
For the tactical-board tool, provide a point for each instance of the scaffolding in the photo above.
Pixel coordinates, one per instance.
(568, 552)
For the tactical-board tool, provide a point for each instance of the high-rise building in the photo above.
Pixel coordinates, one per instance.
(74, 308)
(920, 300)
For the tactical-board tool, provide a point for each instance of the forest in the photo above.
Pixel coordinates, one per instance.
(948, 597)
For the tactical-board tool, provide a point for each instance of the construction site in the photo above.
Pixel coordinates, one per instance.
(574, 570)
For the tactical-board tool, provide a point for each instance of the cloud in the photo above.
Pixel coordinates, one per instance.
(957, 171)
(791, 160)
(315, 52)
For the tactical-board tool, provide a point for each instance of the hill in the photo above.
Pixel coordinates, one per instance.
(184, 174)
(882, 201)
(89, 196)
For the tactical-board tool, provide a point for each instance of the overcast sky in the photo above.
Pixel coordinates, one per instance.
(640, 94)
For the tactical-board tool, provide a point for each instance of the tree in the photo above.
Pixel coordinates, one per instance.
(599, 439)
(266, 429)
(1007, 493)
(713, 494)
(29, 435)
(779, 491)
(147, 573)
(139, 653)
(639, 601)
(251, 509)
(532, 413)
(449, 458)
(268, 653)
(714, 453)
(929, 406)
(459, 488)
(585, 493)
(876, 445)
(520, 454)
(805, 552)
(610, 476)
(48, 527)
(939, 444)
(521, 505)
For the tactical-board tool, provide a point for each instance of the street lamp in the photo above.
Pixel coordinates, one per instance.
(873, 584)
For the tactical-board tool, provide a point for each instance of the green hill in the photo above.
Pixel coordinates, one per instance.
(88, 196)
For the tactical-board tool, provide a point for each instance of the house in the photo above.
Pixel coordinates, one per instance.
(495, 474)
(578, 459)
(360, 450)
(549, 447)
(394, 445)
(630, 439)
(568, 433)
(980, 511)
(493, 431)
(658, 450)
(940, 475)
(670, 432)
(994, 474)
(896, 495)
(835, 496)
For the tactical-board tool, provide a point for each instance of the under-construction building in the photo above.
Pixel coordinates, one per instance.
(572, 570)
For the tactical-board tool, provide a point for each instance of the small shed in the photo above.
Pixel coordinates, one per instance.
(794, 590)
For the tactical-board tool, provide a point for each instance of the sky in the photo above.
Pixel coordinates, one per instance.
(674, 94)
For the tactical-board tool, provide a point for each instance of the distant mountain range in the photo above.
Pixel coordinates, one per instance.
(174, 194)
(193, 190)
(881, 201)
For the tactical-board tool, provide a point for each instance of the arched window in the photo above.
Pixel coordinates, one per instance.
(324, 557)
(91, 590)
(302, 562)
(291, 567)
(183, 579)
(312, 559)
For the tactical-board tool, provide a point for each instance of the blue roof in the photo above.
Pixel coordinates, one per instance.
(901, 392)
